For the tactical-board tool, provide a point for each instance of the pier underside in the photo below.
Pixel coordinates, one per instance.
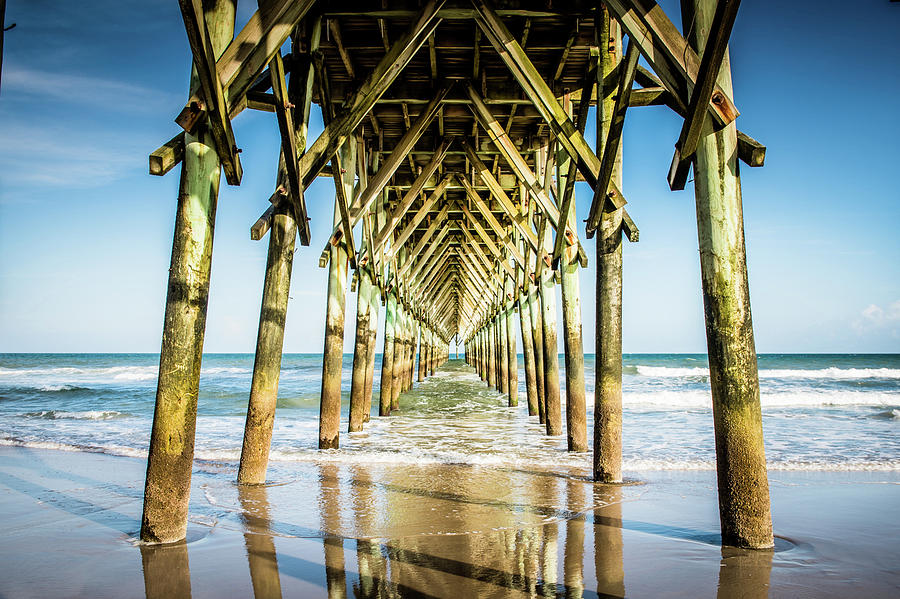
(454, 132)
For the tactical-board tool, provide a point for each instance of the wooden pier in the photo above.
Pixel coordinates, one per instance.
(454, 132)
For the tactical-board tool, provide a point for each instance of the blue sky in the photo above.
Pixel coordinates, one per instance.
(89, 89)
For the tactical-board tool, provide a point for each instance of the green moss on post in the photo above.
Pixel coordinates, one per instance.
(537, 330)
(553, 410)
(740, 456)
(608, 369)
(360, 403)
(168, 483)
(387, 355)
(333, 353)
(503, 352)
(269, 344)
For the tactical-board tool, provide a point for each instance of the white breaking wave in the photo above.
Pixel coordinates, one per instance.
(86, 415)
(778, 373)
(388, 458)
(64, 378)
(679, 400)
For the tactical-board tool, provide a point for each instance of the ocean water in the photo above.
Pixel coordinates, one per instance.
(820, 412)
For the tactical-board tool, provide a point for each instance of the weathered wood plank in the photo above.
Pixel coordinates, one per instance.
(164, 159)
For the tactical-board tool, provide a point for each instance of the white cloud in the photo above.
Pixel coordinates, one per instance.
(875, 318)
(82, 89)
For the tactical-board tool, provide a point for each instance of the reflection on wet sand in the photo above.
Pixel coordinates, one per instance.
(166, 570)
(261, 554)
(744, 573)
(574, 553)
(330, 513)
(608, 565)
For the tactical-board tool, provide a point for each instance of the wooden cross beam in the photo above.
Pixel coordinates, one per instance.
(429, 260)
(289, 148)
(491, 220)
(567, 205)
(511, 154)
(422, 212)
(488, 241)
(476, 247)
(703, 92)
(361, 101)
(668, 52)
(412, 193)
(627, 69)
(438, 221)
(540, 94)
(393, 162)
(255, 45)
(167, 156)
(499, 194)
(337, 173)
(211, 86)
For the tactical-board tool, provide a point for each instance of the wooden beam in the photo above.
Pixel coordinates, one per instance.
(488, 241)
(374, 187)
(362, 100)
(667, 52)
(436, 222)
(627, 69)
(703, 92)
(164, 159)
(289, 150)
(491, 221)
(511, 153)
(337, 170)
(565, 53)
(335, 29)
(422, 212)
(540, 94)
(255, 45)
(211, 86)
(499, 194)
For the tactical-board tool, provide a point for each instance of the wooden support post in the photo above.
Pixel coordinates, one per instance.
(512, 368)
(551, 354)
(492, 355)
(387, 354)
(360, 403)
(269, 345)
(170, 459)
(423, 350)
(528, 349)
(537, 330)
(502, 352)
(276, 290)
(576, 408)
(740, 455)
(333, 352)
(608, 370)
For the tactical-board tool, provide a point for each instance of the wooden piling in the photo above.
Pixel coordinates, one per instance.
(537, 330)
(277, 283)
(512, 368)
(360, 403)
(387, 355)
(531, 391)
(397, 366)
(553, 414)
(333, 352)
(744, 509)
(576, 409)
(168, 482)
(492, 355)
(269, 344)
(607, 463)
(423, 351)
(503, 352)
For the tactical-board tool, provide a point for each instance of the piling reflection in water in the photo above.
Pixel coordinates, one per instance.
(609, 568)
(261, 553)
(166, 570)
(744, 573)
(330, 513)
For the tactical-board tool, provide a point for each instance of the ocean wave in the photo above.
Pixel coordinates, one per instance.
(67, 378)
(86, 415)
(893, 414)
(776, 373)
(694, 399)
(500, 460)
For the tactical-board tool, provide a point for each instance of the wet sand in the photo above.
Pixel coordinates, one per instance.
(69, 524)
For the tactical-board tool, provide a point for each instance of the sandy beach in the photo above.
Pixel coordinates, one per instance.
(337, 530)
